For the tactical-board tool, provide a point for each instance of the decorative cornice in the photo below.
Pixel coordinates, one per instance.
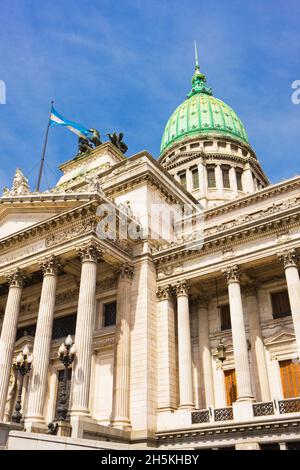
(289, 258)
(232, 274)
(182, 288)
(50, 266)
(15, 278)
(89, 252)
(164, 293)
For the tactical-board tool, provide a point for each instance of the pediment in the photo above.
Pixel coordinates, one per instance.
(285, 336)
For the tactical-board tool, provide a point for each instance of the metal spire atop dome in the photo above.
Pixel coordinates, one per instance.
(199, 79)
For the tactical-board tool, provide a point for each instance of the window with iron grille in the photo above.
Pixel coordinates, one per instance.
(195, 176)
(64, 326)
(225, 317)
(109, 313)
(280, 304)
(225, 175)
(28, 330)
(182, 179)
(211, 177)
(238, 174)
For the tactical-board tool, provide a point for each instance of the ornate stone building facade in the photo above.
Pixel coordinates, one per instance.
(176, 347)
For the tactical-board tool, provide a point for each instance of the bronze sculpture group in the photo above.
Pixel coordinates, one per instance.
(85, 144)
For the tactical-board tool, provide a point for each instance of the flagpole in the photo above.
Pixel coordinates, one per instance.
(44, 151)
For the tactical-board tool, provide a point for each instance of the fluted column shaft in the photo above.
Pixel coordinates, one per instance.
(85, 323)
(166, 354)
(242, 368)
(121, 385)
(42, 343)
(184, 347)
(207, 389)
(8, 333)
(257, 344)
(290, 261)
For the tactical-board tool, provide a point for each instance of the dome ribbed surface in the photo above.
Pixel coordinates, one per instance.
(202, 114)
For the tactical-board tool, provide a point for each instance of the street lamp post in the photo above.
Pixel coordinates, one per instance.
(66, 354)
(23, 366)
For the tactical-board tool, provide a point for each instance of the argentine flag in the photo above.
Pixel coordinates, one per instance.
(57, 120)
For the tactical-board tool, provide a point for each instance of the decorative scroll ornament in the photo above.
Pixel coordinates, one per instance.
(90, 252)
(50, 266)
(232, 274)
(289, 258)
(164, 292)
(182, 288)
(15, 278)
(125, 272)
(20, 185)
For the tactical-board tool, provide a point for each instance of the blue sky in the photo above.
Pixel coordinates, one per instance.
(126, 65)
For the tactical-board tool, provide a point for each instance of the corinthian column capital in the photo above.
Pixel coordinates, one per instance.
(289, 258)
(125, 272)
(50, 266)
(232, 274)
(15, 278)
(89, 252)
(182, 288)
(164, 293)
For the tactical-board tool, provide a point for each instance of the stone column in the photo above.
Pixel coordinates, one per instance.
(15, 281)
(184, 347)
(121, 385)
(90, 255)
(202, 179)
(166, 357)
(42, 343)
(240, 349)
(219, 179)
(257, 344)
(207, 388)
(290, 260)
(247, 180)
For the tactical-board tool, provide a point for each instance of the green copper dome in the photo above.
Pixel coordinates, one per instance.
(201, 113)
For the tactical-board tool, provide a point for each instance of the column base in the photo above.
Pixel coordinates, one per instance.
(80, 412)
(121, 423)
(166, 409)
(35, 424)
(187, 406)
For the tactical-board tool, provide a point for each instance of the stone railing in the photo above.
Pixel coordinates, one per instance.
(212, 415)
(263, 409)
(290, 405)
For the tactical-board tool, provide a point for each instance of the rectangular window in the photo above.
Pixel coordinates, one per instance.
(230, 385)
(280, 304)
(238, 174)
(182, 179)
(109, 313)
(195, 176)
(211, 177)
(290, 378)
(226, 180)
(225, 317)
